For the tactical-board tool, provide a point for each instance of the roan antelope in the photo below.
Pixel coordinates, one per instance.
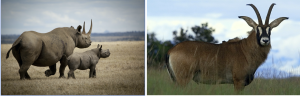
(226, 63)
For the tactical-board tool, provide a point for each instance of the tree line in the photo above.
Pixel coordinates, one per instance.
(157, 50)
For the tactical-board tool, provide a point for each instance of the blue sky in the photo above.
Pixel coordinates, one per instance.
(165, 16)
(45, 15)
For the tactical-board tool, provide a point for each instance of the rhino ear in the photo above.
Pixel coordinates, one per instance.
(101, 47)
(72, 27)
(78, 29)
(98, 46)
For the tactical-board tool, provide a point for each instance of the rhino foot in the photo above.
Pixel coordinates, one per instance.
(72, 77)
(25, 78)
(48, 73)
(62, 77)
(22, 79)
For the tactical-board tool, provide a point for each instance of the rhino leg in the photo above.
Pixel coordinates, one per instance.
(63, 64)
(94, 75)
(51, 70)
(26, 62)
(92, 71)
(18, 58)
(71, 74)
(26, 73)
(23, 70)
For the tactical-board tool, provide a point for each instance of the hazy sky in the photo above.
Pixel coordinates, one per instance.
(45, 15)
(165, 16)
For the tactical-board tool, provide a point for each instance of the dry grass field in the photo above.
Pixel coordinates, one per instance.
(120, 74)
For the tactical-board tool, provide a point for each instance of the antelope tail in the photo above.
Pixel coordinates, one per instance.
(170, 69)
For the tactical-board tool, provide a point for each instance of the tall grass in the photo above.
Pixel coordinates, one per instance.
(160, 83)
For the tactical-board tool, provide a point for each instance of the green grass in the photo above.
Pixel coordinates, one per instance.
(159, 83)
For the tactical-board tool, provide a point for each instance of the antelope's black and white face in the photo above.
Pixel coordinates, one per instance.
(263, 35)
(263, 32)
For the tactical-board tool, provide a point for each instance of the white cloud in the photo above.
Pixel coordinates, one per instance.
(289, 66)
(60, 18)
(32, 21)
(224, 28)
(213, 15)
(239, 28)
(286, 39)
(294, 71)
(219, 27)
(78, 13)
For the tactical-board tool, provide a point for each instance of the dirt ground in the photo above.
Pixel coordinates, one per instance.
(123, 73)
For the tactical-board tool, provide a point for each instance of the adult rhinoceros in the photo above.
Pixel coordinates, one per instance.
(46, 49)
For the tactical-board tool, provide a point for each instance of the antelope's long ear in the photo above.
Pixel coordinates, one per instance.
(277, 21)
(249, 21)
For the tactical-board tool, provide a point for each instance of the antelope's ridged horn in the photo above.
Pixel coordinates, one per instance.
(257, 14)
(269, 13)
(90, 31)
(83, 30)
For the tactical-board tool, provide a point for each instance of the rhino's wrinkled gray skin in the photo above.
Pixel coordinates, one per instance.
(86, 60)
(45, 49)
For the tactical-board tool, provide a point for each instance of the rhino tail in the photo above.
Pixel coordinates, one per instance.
(14, 45)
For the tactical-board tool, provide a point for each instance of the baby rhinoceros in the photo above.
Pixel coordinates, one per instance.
(86, 60)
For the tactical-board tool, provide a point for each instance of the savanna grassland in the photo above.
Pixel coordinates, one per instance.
(122, 73)
(160, 83)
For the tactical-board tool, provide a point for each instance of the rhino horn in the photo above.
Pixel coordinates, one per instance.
(83, 30)
(90, 31)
